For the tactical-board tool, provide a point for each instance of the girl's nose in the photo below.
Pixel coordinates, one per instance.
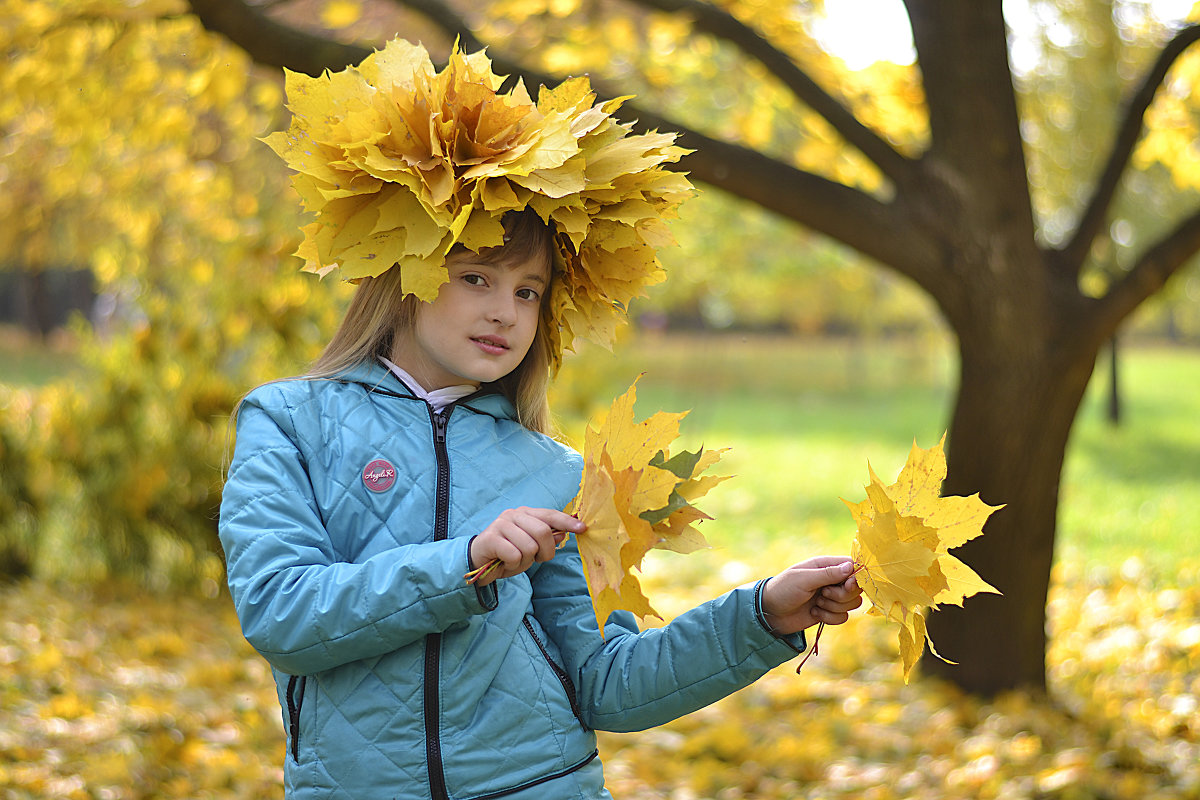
(504, 312)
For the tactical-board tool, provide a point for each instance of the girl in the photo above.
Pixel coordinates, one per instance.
(414, 452)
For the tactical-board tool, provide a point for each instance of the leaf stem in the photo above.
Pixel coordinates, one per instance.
(482, 572)
(821, 626)
(813, 652)
(487, 569)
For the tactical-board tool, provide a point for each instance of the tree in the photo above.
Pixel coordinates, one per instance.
(953, 212)
(129, 147)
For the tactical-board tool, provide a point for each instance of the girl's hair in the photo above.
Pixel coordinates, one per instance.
(380, 309)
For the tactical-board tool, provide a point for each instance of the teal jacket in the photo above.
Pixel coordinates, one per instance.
(346, 519)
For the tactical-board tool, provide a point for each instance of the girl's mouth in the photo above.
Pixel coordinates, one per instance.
(493, 345)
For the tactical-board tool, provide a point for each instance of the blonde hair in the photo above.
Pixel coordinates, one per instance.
(380, 309)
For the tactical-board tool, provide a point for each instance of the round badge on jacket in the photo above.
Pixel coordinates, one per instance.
(379, 475)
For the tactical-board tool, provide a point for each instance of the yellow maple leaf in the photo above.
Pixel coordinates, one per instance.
(635, 497)
(905, 531)
(606, 533)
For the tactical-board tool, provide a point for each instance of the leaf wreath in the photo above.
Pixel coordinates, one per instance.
(401, 162)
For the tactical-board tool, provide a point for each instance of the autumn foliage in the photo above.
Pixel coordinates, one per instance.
(110, 693)
(131, 149)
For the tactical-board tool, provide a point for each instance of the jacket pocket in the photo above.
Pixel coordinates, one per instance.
(559, 672)
(295, 699)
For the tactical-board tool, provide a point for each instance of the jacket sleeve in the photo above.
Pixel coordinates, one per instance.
(632, 680)
(302, 609)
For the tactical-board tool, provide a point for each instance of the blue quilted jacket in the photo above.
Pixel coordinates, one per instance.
(346, 518)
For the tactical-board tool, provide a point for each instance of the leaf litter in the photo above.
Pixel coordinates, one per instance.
(111, 693)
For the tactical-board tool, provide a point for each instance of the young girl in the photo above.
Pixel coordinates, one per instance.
(415, 451)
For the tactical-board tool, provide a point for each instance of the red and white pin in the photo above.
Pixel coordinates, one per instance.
(379, 475)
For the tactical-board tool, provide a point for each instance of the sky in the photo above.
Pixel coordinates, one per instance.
(865, 31)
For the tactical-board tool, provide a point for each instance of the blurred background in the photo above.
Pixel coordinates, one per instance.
(147, 282)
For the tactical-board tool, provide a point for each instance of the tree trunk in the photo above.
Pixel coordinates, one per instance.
(1007, 441)
(1114, 382)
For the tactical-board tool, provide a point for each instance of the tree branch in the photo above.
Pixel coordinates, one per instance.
(875, 228)
(887, 232)
(1151, 272)
(445, 18)
(272, 43)
(1074, 252)
(719, 23)
(975, 130)
(846, 214)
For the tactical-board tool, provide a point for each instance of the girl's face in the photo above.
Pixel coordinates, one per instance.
(480, 326)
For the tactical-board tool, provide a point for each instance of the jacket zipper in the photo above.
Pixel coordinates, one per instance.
(559, 672)
(433, 642)
(295, 699)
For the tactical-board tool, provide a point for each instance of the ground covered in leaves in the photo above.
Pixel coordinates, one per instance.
(109, 693)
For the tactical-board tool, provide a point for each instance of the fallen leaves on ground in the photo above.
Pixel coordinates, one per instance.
(112, 694)
(1121, 721)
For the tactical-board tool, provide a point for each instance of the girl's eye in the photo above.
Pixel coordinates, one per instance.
(527, 294)
(473, 279)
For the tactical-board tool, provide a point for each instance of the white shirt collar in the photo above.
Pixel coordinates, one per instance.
(438, 398)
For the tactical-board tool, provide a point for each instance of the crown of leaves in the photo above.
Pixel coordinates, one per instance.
(400, 162)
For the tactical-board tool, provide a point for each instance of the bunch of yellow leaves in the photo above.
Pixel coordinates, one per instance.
(635, 497)
(905, 531)
(401, 162)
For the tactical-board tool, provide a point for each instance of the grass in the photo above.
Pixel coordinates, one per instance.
(1132, 491)
(803, 418)
(26, 361)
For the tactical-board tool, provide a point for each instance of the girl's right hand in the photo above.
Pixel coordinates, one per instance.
(519, 537)
(819, 591)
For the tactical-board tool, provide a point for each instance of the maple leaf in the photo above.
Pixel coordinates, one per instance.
(635, 497)
(901, 548)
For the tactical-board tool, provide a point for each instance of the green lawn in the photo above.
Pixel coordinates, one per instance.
(1133, 491)
(24, 361)
(803, 418)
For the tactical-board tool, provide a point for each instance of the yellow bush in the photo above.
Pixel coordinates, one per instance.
(187, 223)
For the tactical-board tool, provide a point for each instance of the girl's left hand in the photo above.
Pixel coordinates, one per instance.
(819, 590)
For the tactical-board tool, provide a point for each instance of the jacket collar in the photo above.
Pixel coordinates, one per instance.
(376, 376)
